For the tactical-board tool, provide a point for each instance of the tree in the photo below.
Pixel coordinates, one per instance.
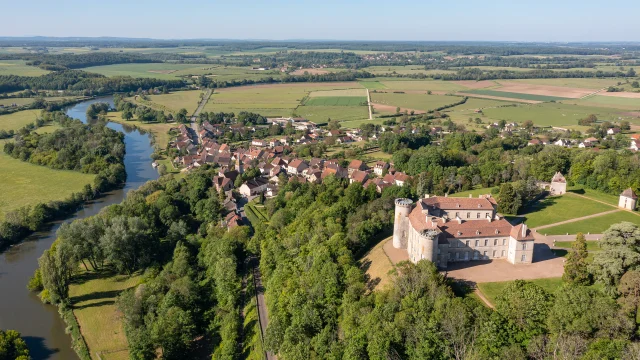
(334, 124)
(635, 85)
(575, 268)
(127, 114)
(126, 244)
(181, 116)
(620, 253)
(629, 290)
(56, 268)
(508, 200)
(528, 124)
(526, 305)
(12, 346)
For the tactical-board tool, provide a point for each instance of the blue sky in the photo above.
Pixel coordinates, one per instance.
(542, 20)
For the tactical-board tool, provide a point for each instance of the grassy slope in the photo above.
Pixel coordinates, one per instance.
(513, 95)
(595, 225)
(18, 119)
(560, 208)
(93, 299)
(491, 290)
(178, 100)
(377, 266)
(19, 67)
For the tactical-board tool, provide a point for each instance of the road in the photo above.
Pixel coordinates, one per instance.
(194, 117)
(369, 105)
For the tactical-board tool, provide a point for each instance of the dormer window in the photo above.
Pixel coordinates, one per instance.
(479, 206)
(459, 233)
(458, 205)
(477, 232)
(497, 231)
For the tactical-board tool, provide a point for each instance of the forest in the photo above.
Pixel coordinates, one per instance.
(83, 83)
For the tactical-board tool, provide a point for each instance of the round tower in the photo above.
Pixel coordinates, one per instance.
(401, 223)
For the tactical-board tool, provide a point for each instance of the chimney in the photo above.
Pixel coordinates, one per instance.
(446, 194)
(459, 220)
(489, 218)
(470, 196)
(426, 196)
(524, 230)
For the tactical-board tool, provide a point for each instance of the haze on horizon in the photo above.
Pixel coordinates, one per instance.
(411, 20)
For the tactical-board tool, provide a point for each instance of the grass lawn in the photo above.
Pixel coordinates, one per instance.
(178, 100)
(320, 114)
(159, 130)
(377, 266)
(596, 225)
(491, 290)
(93, 297)
(592, 245)
(19, 67)
(18, 120)
(594, 194)
(27, 184)
(560, 208)
(421, 102)
(624, 103)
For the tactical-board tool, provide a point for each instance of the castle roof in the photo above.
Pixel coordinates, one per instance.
(452, 203)
(558, 177)
(629, 193)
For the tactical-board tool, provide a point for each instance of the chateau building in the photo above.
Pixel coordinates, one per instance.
(443, 229)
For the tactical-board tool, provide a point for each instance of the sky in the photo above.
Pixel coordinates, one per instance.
(427, 20)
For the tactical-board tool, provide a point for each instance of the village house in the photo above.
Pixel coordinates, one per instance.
(443, 230)
(356, 165)
(628, 200)
(380, 167)
(635, 145)
(296, 166)
(562, 142)
(253, 187)
(613, 131)
(358, 176)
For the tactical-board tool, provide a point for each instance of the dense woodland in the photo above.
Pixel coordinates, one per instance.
(12, 346)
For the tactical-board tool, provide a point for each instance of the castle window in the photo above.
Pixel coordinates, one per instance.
(504, 241)
(484, 254)
(457, 214)
(460, 244)
(524, 246)
(502, 253)
(523, 258)
(468, 215)
(486, 242)
(495, 242)
(477, 243)
(476, 254)
(494, 253)
(478, 216)
(467, 243)
(457, 256)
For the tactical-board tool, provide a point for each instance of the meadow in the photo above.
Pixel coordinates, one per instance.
(492, 290)
(174, 101)
(617, 102)
(19, 67)
(17, 101)
(344, 114)
(372, 84)
(17, 120)
(586, 83)
(421, 85)
(513, 95)
(337, 101)
(93, 298)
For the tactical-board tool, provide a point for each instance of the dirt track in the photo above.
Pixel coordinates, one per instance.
(471, 84)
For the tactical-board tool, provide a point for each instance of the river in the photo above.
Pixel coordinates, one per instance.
(20, 309)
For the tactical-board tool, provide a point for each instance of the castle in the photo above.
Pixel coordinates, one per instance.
(443, 229)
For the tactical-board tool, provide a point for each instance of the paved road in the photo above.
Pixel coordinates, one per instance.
(194, 117)
(369, 105)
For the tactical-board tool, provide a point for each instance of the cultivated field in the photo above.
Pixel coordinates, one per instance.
(372, 84)
(174, 101)
(359, 92)
(422, 85)
(17, 101)
(19, 67)
(513, 95)
(626, 103)
(593, 84)
(471, 84)
(417, 102)
(310, 71)
(337, 101)
(321, 114)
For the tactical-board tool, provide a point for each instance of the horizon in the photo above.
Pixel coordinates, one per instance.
(374, 20)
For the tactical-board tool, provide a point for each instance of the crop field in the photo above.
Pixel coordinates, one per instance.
(595, 225)
(336, 101)
(512, 95)
(93, 298)
(418, 102)
(618, 102)
(175, 101)
(359, 92)
(27, 184)
(320, 114)
(404, 70)
(560, 208)
(473, 104)
(593, 84)
(372, 84)
(552, 114)
(19, 67)
(422, 85)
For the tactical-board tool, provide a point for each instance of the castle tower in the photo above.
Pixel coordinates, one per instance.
(401, 223)
(628, 200)
(240, 167)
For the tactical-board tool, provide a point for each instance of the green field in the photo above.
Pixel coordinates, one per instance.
(552, 114)
(620, 102)
(596, 225)
(352, 124)
(474, 193)
(320, 114)
(560, 208)
(27, 184)
(473, 104)
(420, 102)
(372, 84)
(93, 297)
(19, 67)
(592, 245)
(17, 120)
(404, 70)
(513, 95)
(591, 83)
(336, 101)
(159, 130)
(359, 92)
(17, 101)
(491, 290)
(174, 101)
(422, 85)
(594, 194)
